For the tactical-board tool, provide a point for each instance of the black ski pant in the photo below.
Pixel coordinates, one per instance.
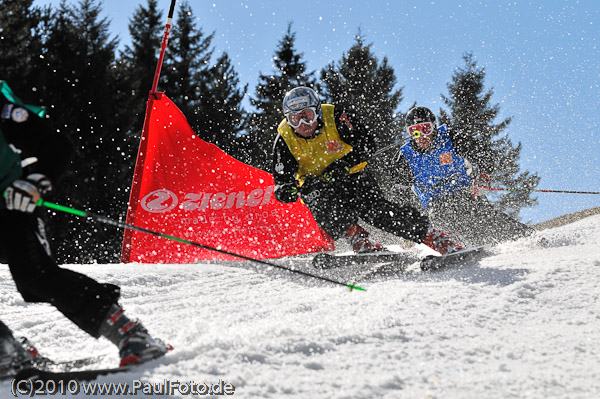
(24, 246)
(5, 334)
(336, 205)
(7, 340)
(474, 221)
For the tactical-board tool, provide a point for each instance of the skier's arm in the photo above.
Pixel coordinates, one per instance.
(45, 151)
(403, 176)
(285, 168)
(36, 140)
(353, 133)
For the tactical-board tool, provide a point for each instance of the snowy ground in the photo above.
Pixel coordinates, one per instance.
(522, 323)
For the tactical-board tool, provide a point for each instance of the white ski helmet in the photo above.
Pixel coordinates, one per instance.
(299, 99)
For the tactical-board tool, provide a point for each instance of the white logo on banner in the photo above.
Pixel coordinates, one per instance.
(159, 201)
(163, 200)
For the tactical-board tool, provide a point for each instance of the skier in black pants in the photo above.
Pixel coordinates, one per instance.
(434, 165)
(92, 306)
(320, 155)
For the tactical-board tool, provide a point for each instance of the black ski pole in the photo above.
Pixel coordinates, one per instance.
(112, 222)
(384, 149)
(543, 191)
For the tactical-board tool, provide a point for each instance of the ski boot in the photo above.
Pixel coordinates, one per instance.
(441, 242)
(360, 240)
(134, 343)
(137, 346)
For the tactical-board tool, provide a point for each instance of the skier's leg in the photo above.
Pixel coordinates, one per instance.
(401, 220)
(330, 207)
(404, 221)
(13, 355)
(476, 220)
(39, 279)
(92, 306)
(457, 217)
(333, 207)
(500, 225)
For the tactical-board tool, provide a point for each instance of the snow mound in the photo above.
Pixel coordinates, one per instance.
(521, 323)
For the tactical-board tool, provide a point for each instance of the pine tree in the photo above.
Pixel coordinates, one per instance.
(221, 104)
(471, 118)
(80, 61)
(364, 88)
(289, 72)
(21, 44)
(187, 62)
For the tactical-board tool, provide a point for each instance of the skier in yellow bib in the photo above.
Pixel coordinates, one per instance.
(320, 155)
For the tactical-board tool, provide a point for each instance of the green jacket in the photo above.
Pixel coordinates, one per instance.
(10, 165)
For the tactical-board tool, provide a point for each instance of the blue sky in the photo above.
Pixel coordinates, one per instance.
(542, 60)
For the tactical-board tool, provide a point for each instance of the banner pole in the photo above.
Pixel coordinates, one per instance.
(163, 46)
(141, 155)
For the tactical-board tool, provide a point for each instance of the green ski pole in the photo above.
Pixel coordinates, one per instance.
(112, 222)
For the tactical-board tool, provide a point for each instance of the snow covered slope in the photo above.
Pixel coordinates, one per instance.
(522, 323)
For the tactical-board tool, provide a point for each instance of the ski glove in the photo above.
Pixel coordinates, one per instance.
(311, 189)
(286, 192)
(23, 194)
(481, 185)
(336, 170)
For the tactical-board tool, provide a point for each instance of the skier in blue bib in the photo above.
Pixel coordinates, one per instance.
(32, 159)
(441, 177)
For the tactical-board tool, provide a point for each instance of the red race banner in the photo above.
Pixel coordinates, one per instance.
(188, 188)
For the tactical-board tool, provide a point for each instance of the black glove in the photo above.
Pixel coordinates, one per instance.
(23, 194)
(312, 189)
(286, 192)
(336, 170)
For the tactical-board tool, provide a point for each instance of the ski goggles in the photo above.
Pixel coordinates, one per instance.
(306, 116)
(425, 129)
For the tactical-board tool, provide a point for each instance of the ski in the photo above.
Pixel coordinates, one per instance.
(437, 262)
(41, 362)
(66, 365)
(44, 369)
(37, 374)
(329, 261)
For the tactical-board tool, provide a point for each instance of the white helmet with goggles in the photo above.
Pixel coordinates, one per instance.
(301, 105)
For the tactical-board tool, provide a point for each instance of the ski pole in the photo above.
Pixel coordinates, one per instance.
(542, 191)
(112, 222)
(384, 149)
(352, 171)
